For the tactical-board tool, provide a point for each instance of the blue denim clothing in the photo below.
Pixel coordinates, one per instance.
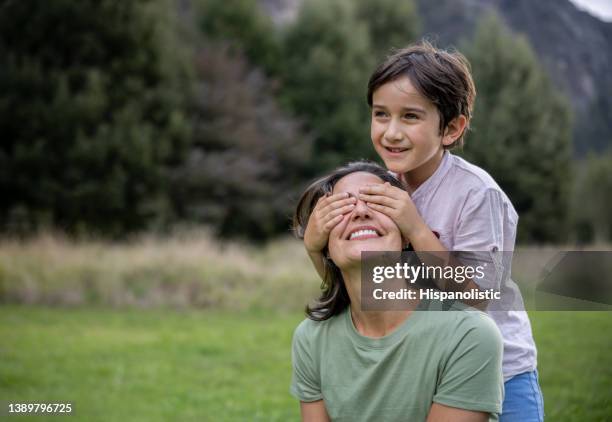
(523, 400)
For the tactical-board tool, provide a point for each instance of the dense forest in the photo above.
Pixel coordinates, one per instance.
(125, 116)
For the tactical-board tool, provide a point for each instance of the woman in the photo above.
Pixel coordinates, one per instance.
(410, 365)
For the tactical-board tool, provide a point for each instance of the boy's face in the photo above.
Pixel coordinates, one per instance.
(405, 130)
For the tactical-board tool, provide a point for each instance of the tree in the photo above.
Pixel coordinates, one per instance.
(521, 131)
(392, 24)
(330, 52)
(92, 108)
(591, 198)
(244, 168)
(244, 29)
(327, 59)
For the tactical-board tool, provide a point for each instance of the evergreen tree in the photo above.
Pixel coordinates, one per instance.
(392, 24)
(328, 58)
(244, 28)
(592, 201)
(330, 52)
(243, 170)
(92, 100)
(521, 131)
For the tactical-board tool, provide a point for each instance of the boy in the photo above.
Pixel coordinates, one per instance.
(421, 100)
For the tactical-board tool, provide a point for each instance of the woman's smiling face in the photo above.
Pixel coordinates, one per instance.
(362, 229)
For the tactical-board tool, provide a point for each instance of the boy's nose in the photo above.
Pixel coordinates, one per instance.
(393, 133)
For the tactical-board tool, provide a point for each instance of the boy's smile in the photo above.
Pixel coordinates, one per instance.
(405, 130)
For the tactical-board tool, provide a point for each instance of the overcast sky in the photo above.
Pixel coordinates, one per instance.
(600, 8)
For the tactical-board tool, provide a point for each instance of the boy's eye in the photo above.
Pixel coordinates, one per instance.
(379, 113)
(411, 116)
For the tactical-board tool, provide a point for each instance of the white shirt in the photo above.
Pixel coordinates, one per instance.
(470, 212)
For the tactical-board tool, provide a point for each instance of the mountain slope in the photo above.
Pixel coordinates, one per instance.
(573, 46)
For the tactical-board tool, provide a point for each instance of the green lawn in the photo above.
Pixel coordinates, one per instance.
(202, 365)
(575, 364)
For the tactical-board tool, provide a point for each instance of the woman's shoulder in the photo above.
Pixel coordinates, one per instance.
(464, 321)
(305, 327)
(474, 318)
(309, 328)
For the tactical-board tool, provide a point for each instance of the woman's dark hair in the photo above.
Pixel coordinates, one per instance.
(334, 297)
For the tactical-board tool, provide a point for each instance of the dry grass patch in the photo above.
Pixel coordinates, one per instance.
(191, 269)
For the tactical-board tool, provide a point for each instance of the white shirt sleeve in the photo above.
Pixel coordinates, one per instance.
(483, 223)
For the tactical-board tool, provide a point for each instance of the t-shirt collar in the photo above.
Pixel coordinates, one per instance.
(435, 179)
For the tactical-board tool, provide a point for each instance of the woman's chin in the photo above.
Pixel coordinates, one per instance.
(353, 252)
(348, 259)
(349, 252)
(379, 244)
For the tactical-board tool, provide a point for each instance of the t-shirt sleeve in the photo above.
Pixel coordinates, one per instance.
(471, 376)
(305, 379)
(487, 224)
(481, 222)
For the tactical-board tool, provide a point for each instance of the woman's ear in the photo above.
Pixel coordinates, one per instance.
(454, 129)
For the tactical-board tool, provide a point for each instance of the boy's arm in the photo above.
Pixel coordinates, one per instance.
(397, 204)
(488, 224)
(434, 253)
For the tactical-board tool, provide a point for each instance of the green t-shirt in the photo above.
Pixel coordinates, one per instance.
(453, 358)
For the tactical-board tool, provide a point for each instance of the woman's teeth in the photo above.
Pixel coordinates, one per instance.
(362, 233)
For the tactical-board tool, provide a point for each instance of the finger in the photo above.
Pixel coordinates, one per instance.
(385, 189)
(378, 199)
(341, 210)
(328, 199)
(375, 189)
(333, 222)
(338, 196)
(381, 208)
(339, 204)
(371, 189)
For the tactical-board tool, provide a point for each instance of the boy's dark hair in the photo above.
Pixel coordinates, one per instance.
(334, 296)
(441, 76)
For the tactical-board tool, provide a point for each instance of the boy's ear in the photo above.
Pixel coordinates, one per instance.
(454, 130)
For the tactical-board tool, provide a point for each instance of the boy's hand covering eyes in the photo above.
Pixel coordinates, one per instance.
(327, 213)
(395, 203)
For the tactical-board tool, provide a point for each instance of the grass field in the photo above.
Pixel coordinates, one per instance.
(164, 365)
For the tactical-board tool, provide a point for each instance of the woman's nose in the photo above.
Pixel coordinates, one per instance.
(361, 209)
